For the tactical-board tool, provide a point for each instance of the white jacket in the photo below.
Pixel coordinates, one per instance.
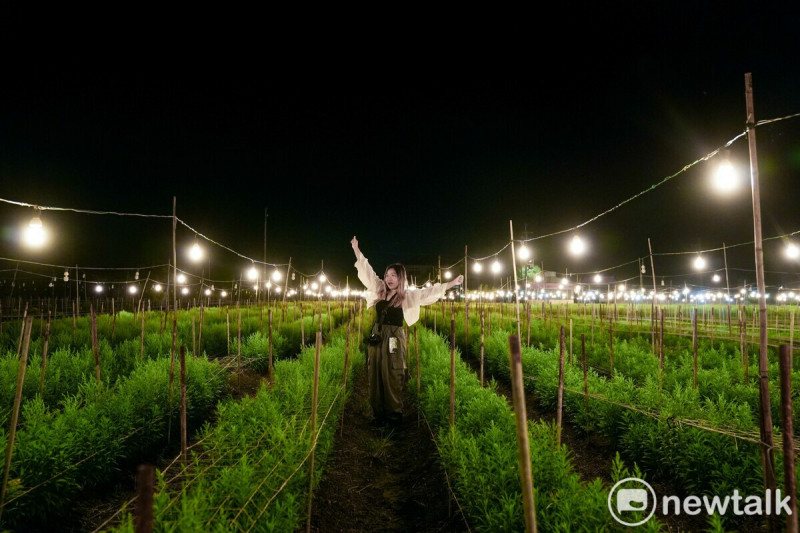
(414, 298)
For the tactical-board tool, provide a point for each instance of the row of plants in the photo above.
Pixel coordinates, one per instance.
(720, 375)
(68, 368)
(252, 471)
(97, 433)
(480, 455)
(693, 460)
(218, 324)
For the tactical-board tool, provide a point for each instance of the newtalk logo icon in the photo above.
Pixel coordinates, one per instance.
(632, 502)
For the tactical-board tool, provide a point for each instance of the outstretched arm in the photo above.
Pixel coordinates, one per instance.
(458, 281)
(354, 244)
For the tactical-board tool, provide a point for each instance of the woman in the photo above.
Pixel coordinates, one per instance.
(386, 361)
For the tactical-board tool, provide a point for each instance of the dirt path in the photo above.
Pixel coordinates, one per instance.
(382, 480)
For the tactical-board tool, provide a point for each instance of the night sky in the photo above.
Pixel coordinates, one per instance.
(420, 137)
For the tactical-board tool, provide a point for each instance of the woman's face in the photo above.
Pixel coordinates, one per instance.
(391, 279)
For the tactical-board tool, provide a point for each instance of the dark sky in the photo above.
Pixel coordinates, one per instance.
(418, 133)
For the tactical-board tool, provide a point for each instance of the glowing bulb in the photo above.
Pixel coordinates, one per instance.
(327, 288)
(185, 290)
(208, 292)
(524, 253)
(157, 287)
(598, 278)
(195, 252)
(252, 273)
(98, 288)
(224, 294)
(255, 286)
(277, 289)
(699, 263)
(181, 278)
(34, 235)
(447, 274)
(268, 285)
(276, 275)
(577, 246)
(715, 278)
(132, 289)
(725, 179)
(314, 286)
(496, 267)
(477, 267)
(538, 278)
(792, 251)
(322, 278)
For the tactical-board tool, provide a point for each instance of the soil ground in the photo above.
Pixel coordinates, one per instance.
(381, 479)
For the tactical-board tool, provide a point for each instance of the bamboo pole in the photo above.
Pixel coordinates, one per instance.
(95, 348)
(611, 347)
(184, 456)
(270, 369)
(22, 331)
(194, 333)
(314, 399)
(143, 510)
(482, 346)
(790, 481)
(44, 355)
(452, 372)
(523, 448)
(12, 431)
(560, 404)
(694, 348)
(141, 341)
(239, 354)
(172, 371)
(585, 372)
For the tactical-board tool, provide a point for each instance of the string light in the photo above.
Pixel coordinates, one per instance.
(34, 235)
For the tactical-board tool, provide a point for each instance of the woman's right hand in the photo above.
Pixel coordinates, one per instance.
(354, 244)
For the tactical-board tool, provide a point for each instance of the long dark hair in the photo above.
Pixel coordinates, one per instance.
(400, 294)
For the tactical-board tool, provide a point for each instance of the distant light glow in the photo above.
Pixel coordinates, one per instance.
(98, 288)
(252, 273)
(181, 278)
(496, 267)
(185, 290)
(477, 267)
(132, 289)
(322, 278)
(157, 287)
(208, 292)
(792, 251)
(447, 274)
(524, 253)
(598, 278)
(715, 278)
(276, 275)
(224, 294)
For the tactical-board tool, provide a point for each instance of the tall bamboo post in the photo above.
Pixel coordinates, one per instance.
(560, 403)
(184, 456)
(44, 355)
(523, 447)
(452, 372)
(790, 481)
(482, 347)
(95, 348)
(27, 324)
(314, 400)
(270, 370)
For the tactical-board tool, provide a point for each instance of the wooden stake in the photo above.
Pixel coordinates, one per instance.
(452, 372)
(143, 509)
(585, 374)
(27, 323)
(560, 403)
(694, 348)
(270, 370)
(95, 348)
(523, 448)
(482, 347)
(141, 342)
(790, 481)
(314, 399)
(184, 455)
(44, 355)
